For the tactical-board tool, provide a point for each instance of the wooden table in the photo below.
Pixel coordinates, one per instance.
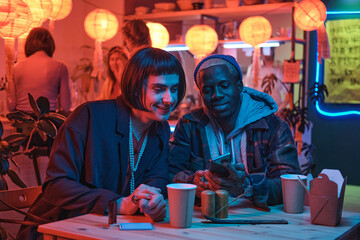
(92, 226)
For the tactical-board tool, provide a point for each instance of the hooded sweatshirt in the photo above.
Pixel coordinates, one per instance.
(254, 106)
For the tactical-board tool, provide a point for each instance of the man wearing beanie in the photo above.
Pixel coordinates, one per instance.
(238, 122)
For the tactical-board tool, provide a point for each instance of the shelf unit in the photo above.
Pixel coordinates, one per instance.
(221, 13)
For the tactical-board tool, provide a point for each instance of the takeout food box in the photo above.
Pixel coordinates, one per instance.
(326, 197)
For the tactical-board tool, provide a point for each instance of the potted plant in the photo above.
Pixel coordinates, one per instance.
(38, 130)
(296, 116)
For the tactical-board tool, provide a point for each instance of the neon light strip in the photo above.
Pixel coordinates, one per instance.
(326, 113)
(317, 105)
(344, 12)
(245, 45)
(183, 47)
(178, 47)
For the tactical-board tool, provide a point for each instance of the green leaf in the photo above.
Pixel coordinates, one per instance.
(4, 147)
(1, 129)
(3, 234)
(19, 116)
(48, 127)
(43, 135)
(43, 104)
(16, 179)
(57, 116)
(15, 139)
(3, 183)
(34, 105)
(4, 165)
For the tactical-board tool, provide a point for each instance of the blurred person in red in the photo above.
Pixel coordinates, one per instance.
(40, 75)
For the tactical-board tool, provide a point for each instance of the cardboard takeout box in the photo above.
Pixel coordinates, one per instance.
(326, 197)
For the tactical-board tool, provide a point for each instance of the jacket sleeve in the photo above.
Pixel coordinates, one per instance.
(180, 153)
(64, 186)
(282, 158)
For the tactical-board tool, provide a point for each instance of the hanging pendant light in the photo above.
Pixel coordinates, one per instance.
(101, 25)
(7, 12)
(255, 30)
(60, 10)
(19, 25)
(310, 15)
(159, 35)
(201, 40)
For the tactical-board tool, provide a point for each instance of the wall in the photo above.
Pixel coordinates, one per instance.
(336, 138)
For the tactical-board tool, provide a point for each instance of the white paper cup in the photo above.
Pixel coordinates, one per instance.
(293, 192)
(181, 203)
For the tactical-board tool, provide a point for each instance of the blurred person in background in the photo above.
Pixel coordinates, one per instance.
(136, 35)
(40, 75)
(117, 59)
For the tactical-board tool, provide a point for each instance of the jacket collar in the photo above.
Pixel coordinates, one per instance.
(122, 120)
(198, 115)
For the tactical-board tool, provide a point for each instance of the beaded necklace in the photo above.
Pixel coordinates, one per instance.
(134, 167)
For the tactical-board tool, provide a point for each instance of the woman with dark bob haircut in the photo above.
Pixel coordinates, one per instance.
(40, 75)
(149, 62)
(39, 39)
(116, 149)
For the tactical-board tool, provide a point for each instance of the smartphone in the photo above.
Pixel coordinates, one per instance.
(216, 166)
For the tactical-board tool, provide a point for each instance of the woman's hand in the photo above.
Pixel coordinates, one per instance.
(155, 208)
(148, 199)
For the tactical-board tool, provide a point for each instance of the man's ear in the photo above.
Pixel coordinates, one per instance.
(240, 85)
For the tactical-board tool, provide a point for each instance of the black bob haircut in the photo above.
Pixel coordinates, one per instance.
(149, 62)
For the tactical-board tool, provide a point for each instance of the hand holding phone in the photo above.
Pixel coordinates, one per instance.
(217, 168)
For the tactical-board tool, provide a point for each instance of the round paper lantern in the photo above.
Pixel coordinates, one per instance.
(21, 22)
(60, 9)
(7, 12)
(19, 25)
(255, 30)
(310, 14)
(36, 12)
(201, 40)
(46, 6)
(158, 34)
(101, 24)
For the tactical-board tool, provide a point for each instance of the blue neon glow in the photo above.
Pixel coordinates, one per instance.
(317, 105)
(326, 113)
(178, 47)
(342, 12)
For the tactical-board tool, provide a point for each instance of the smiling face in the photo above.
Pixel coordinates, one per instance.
(220, 92)
(116, 63)
(161, 96)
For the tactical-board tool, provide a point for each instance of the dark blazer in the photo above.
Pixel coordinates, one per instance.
(89, 161)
